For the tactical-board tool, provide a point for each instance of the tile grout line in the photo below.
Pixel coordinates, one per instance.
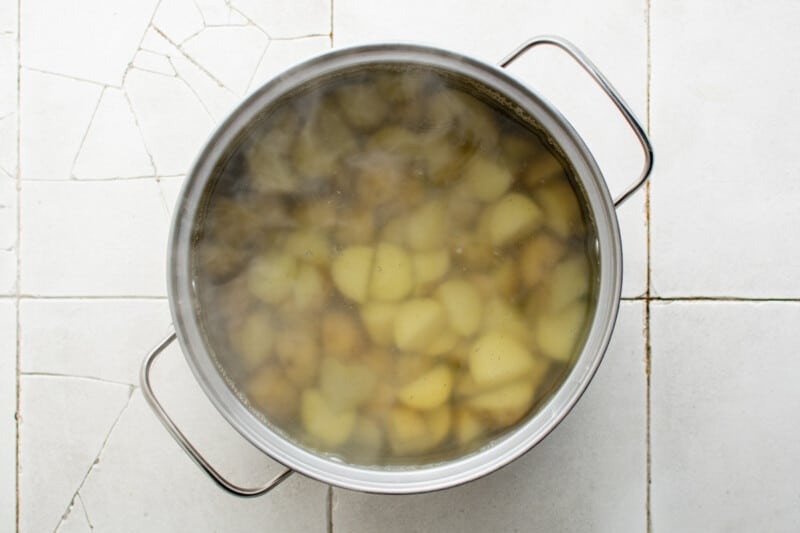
(648, 352)
(329, 509)
(17, 415)
(331, 34)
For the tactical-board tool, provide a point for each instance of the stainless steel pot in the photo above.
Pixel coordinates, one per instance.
(506, 448)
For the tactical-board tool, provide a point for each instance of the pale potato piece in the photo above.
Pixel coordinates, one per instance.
(428, 391)
(417, 323)
(429, 267)
(395, 140)
(557, 333)
(427, 227)
(497, 357)
(345, 386)
(512, 217)
(443, 160)
(561, 207)
(487, 179)
(439, 422)
(367, 438)
(253, 338)
(504, 405)
(323, 422)
(362, 105)
(462, 304)
(407, 431)
(380, 401)
(322, 141)
(381, 362)
(299, 354)
(378, 320)
(505, 279)
(378, 178)
(468, 427)
(395, 231)
(472, 250)
(341, 335)
(270, 277)
(409, 367)
(519, 150)
(538, 257)
(355, 227)
(569, 281)
(310, 289)
(499, 315)
(269, 169)
(392, 276)
(351, 271)
(443, 343)
(310, 246)
(543, 169)
(271, 392)
(318, 213)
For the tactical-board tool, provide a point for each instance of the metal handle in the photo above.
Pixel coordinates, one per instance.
(184, 443)
(609, 89)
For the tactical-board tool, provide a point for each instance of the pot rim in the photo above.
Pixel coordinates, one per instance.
(422, 478)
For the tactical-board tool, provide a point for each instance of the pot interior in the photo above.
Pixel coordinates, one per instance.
(394, 266)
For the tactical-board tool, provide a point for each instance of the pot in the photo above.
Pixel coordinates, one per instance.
(510, 92)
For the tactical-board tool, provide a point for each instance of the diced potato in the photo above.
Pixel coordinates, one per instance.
(519, 149)
(355, 227)
(476, 125)
(471, 250)
(310, 246)
(221, 261)
(378, 319)
(321, 142)
(512, 217)
(351, 271)
(381, 362)
(310, 290)
(439, 422)
(443, 343)
(468, 427)
(561, 207)
(538, 257)
(269, 169)
(316, 213)
(378, 179)
(362, 105)
(323, 422)
(543, 169)
(341, 335)
(392, 276)
(505, 279)
(427, 227)
(299, 355)
(253, 337)
(417, 324)
(345, 386)
(271, 392)
(367, 438)
(487, 179)
(499, 315)
(380, 401)
(395, 231)
(430, 390)
(429, 267)
(270, 277)
(497, 357)
(409, 367)
(462, 304)
(505, 405)
(407, 431)
(443, 160)
(556, 334)
(569, 281)
(395, 140)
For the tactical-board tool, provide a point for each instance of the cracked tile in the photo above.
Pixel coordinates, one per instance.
(109, 238)
(153, 62)
(165, 491)
(8, 408)
(113, 146)
(76, 521)
(174, 122)
(178, 19)
(54, 114)
(231, 54)
(283, 54)
(219, 13)
(588, 475)
(96, 39)
(724, 401)
(64, 423)
(104, 339)
(170, 189)
(288, 19)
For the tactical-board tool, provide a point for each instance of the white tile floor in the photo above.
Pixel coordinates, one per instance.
(110, 101)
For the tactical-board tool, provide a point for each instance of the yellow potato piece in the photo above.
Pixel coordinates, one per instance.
(367, 438)
(497, 357)
(417, 324)
(299, 355)
(323, 422)
(504, 405)
(351, 271)
(310, 246)
(543, 169)
(309, 290)
(273, 394)
(569, 281)
(427, 226)
(253, 338)
(362, 105)
(341, 335)
(561, 207)
(395, 231)
(378, 320)
(439, 422)
(270, 277)
(392, 277)
(487, 179)
(557, 333)
(430, 267)
(444, 343)
(538, 257)
(428, 391)
(502, 316)
(345, 386)
(512, 217)
(505, 279)
(468, 427)
(462, 303)
(355, 227)
(407, 431)
(409, 367)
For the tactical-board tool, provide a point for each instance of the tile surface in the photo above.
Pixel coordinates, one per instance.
(724, 412)
(8, 407)
(725, 191)
(588, 475)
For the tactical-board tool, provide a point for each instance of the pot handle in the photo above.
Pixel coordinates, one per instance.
(609, 89)
(184, 443)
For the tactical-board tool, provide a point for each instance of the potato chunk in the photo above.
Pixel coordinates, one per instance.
(299, 354)
(417, 323)
(512, 217)
(505, 405)
(392, 276)
(341, 335)
(569, 281)
(378, 319)
(270, 277)
(428, 391)
(351, 271)
(429, 267)
(367, 439)
(497, 357)
(462, 303)
(426, 229)
(323, 422)
(273, 394)
(487, 180)
(253, 338)
(345, 386)
(538, 257)
(310, 246)
(561, 207)
(439, 422)
(502, 316)
(310, 290)
(556, 334)
(443, 343)
(407, 431)
(468, 427)
(362, 105)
